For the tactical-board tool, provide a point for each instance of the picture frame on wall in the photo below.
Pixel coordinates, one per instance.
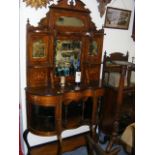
(117, 18)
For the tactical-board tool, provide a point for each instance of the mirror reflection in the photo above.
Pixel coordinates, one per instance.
(38, 49)
(93, 48)
(69, 21)
(67, 56)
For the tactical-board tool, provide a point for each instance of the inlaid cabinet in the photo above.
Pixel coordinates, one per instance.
(64, 37)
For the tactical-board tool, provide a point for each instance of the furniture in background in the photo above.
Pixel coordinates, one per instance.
(112, 77)
(119, 93)
(119, 100)
(95, 148)
(63, 38)
(126, 139)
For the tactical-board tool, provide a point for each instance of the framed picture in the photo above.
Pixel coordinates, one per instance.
(117, 18)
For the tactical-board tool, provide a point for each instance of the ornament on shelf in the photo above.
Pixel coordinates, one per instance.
(37, 3)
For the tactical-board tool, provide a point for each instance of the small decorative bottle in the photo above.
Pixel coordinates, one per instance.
(78, 74)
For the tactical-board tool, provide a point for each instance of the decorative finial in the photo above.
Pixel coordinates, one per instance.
(71, 3)
(28, 22)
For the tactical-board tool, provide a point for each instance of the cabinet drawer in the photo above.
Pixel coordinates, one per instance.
(43, 100)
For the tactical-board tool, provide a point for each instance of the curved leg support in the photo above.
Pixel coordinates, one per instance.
(26, 140)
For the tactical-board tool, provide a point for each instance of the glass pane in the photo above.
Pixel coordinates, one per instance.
(42, 118)
(93, 48)
(67, 56)
(38, 49)
(69, 21)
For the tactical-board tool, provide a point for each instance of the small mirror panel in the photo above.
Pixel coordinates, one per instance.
(69, 21)
(93, 50)
(38, 49)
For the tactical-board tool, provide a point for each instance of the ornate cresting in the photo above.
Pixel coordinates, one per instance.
(102, 6)
(43, 3)
(37, 3)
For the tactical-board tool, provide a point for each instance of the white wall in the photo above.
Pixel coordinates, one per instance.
(115, 40)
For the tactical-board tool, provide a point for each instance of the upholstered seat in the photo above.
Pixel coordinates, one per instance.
(128, 138)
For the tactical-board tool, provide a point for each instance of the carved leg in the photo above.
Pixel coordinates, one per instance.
(59, 152)
(94, 117)
(99, 111)
(66, 114)
(114, 136)
(26, 140)
(93, 132)
(89, 146)
(83, 108)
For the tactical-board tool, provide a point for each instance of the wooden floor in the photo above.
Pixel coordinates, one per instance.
(69, 144)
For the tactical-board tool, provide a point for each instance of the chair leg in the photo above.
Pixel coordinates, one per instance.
(26, 141)
(94, 147)
(114, 137)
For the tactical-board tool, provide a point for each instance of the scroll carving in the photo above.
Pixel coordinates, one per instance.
(102, 6)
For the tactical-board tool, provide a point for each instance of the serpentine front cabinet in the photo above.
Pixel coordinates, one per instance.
(63, 38)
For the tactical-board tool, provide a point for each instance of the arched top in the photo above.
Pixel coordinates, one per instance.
(64, 4)
(68, 16)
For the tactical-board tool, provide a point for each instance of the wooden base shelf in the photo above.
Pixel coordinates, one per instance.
(69, 144)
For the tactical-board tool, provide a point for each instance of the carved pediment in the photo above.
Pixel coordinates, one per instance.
(78, 6)
(75, 12)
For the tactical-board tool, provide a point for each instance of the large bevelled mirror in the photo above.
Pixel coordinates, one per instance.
(67, 55)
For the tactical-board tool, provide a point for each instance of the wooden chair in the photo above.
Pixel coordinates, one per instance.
(112, 103)
(116, 56)
(118, 84)
(95, 149)
(126, 139)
